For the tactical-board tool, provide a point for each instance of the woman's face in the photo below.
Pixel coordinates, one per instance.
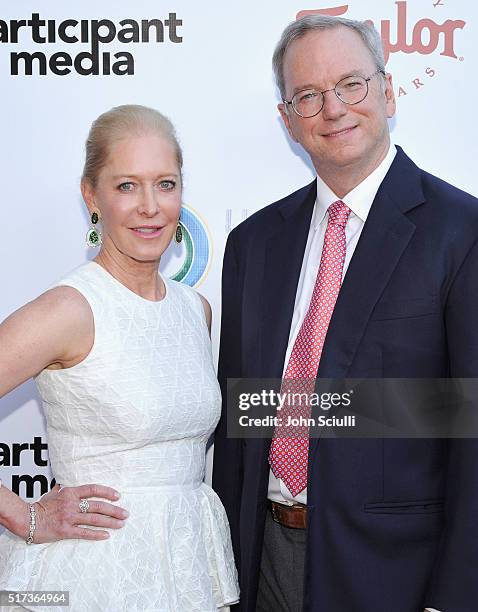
(138, 193)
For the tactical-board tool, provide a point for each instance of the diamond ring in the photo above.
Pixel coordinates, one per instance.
(84, 505)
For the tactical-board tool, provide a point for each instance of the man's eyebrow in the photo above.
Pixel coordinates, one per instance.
(351, 72)
(302, 87)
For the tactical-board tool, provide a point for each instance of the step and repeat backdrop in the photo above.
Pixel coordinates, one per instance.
(207, 65)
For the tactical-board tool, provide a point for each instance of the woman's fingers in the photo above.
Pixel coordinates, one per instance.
(107, 509)
(92, 490)
(97, 520)
(82, 533)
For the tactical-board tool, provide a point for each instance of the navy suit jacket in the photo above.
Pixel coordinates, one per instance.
(392, 523)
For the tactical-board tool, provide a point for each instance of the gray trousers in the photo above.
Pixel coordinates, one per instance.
(281, 580)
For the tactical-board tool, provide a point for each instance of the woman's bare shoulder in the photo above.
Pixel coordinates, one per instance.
(55, 330)
(64, 300)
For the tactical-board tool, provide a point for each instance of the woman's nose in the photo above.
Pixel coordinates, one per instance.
(149, 204)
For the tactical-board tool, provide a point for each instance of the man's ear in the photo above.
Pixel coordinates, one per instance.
(284, 113)
(390, 101)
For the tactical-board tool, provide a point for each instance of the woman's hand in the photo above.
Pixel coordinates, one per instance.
(58, 515)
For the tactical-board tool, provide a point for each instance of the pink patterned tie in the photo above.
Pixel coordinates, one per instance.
(288, 455)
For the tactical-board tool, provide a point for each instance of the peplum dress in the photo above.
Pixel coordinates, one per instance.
(135, 415)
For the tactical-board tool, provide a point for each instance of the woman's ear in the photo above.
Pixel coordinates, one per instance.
(88, 195)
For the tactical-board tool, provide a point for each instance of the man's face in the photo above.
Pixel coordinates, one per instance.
(341, 136)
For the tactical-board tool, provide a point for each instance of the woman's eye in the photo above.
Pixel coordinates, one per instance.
(167, 185)
(126, 187)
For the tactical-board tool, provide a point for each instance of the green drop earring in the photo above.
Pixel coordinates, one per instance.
(93, 236)
(178, 236)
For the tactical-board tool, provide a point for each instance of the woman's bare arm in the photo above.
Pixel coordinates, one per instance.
(207, 312)
(54, 331)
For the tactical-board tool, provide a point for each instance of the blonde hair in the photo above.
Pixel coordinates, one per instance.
(118, 123)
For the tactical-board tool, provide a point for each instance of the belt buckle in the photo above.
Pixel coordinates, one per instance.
(279, 511)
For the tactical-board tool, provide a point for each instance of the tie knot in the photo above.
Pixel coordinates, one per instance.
(339, 213)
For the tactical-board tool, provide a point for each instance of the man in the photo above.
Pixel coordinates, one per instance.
(369, 271)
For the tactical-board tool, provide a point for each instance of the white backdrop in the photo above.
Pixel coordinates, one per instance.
(216, 85)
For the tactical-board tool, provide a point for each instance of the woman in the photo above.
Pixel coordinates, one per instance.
(122, 360)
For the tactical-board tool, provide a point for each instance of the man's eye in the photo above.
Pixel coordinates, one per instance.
(353, 85)
(126, 187)
(307, 96)
(167, 185)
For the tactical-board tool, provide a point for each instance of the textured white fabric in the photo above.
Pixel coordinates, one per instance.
(135, 415)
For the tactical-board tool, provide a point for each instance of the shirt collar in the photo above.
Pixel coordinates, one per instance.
(360, 199)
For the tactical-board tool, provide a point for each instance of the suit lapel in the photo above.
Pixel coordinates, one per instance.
(283, 261)
(384, 238)
(284, 252)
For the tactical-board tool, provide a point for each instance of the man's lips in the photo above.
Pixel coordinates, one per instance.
(147, 231)
(338, 133)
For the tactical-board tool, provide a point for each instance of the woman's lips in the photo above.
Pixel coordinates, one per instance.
(146, 232)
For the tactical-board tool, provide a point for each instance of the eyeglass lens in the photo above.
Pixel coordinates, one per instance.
(351, 90)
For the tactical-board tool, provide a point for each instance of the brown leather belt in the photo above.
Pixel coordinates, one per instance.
(294, 517)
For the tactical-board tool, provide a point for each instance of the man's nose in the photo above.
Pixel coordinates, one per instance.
(333, 106)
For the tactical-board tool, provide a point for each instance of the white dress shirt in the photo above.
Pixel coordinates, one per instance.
(359, 200)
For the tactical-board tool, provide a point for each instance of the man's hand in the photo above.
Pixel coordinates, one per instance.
(58, 515)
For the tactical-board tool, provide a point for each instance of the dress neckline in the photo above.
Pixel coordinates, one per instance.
(131, 293)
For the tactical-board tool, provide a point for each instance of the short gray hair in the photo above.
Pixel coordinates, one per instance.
(299, 28)
(121, 122)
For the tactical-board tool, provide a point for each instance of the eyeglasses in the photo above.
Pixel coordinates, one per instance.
(349, 90)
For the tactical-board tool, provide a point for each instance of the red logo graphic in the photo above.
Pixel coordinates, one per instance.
(431, 29)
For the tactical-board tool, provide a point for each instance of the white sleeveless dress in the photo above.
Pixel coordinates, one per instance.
(135, 415)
